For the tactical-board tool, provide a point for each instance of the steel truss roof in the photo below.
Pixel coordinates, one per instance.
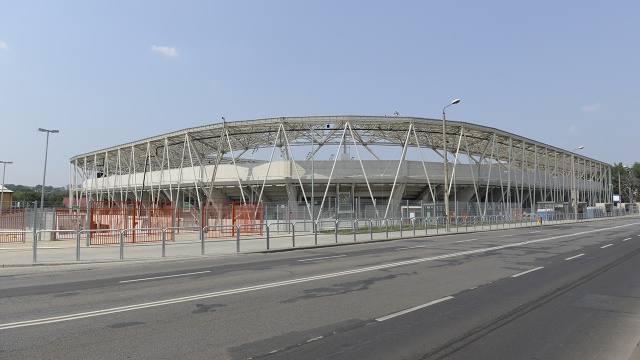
(481, 142)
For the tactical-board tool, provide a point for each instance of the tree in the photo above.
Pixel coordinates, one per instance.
(625, 181)
(28, 194)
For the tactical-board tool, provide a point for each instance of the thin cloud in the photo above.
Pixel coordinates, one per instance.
(3, 45)
(573, 129)
(165, 50)
(591, 108)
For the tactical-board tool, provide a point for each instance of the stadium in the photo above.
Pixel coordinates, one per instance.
(344, 167)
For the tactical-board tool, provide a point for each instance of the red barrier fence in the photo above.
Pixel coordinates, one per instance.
(146, 218)
(69, 219)
(120, 215)
(12, 220)
(225, 216)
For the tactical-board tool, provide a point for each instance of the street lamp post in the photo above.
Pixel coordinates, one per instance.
(44, 176)
(573, 183)
(4, 168)
(446, 169)
(626, 172)
(313, 200)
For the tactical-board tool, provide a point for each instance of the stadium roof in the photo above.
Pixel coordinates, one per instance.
(481, 142)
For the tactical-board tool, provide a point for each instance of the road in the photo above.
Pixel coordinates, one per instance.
(561, 292)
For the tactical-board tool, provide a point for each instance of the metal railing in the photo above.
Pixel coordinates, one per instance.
(322, 232)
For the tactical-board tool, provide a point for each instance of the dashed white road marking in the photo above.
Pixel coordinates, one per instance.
(164, 277)
(461, 241)
(139, 306)
(315, 338)
(626, 239)
(574, 257)
(322, 258)
(411, 247)
(414, 308)
(606, 246)
(528, 271)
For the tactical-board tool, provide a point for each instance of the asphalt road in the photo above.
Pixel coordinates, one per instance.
(553, 292)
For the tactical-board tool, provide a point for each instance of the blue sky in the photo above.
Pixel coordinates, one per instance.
(109, 72)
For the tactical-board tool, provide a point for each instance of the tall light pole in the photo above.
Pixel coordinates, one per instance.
(44, 176)
(626, 172)
(628, 181)
(313, 199)
(573, 183)
(446, 169)
(4, 168)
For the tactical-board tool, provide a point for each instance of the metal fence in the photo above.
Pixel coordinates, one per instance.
(368, 209)
(12, 222)
(147, 223)
(283, 213)
(326, 232)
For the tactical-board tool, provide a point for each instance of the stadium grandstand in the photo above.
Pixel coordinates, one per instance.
(343, 167)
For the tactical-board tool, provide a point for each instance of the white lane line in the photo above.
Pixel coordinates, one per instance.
(528, 271)
(626, 239)
(533, 232)
(507, 235)
(115, 310)
(411, 247)
(574, 257)
(413, 308)
(322, 258)
(461, 241)
(606, 246)
(164, 277)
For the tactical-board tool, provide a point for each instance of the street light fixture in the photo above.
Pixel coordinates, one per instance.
(446, 170)
(4, 168)
(573, 182)
(44, 176)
